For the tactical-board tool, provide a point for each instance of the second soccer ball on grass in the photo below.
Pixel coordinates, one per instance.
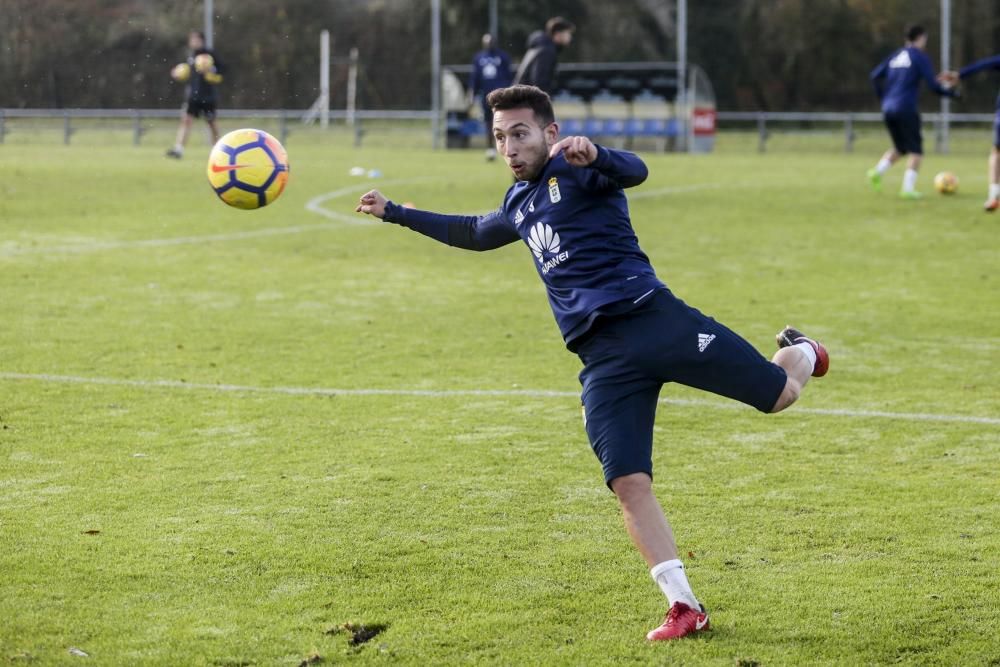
(946, 183)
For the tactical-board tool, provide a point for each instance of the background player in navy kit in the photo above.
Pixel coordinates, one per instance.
(206, 74)
(490, 70)
(902, 72)
(993, 62)
(630, 332)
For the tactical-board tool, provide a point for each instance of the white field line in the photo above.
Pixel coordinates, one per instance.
(312, 205)
(315, 205)
(166, 242)
(470, 393)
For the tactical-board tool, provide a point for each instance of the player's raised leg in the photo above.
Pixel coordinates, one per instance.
(802, 358)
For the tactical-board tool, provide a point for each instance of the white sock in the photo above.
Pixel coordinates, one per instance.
(810, 353)
(883, 166)
(674, 583)
(994, 191)
(909, 180)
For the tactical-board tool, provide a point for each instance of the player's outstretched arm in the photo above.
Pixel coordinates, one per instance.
(993, 62)
(927, 72)
(472, 232)
(608, 168)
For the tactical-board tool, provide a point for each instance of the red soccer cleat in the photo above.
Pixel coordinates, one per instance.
(789, 336)
(681, 621)
(991, 204)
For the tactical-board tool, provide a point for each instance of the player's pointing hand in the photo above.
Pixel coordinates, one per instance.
(579, 151)
(372, 203)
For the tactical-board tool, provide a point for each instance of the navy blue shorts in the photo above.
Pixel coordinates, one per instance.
(996, 129)
(628, 358)
(904, 128)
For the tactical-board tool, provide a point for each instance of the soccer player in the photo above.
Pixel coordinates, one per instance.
(538, 66)
(206, 73)
(630, 332)
(490, 70)
(993, 62)
(902, 73)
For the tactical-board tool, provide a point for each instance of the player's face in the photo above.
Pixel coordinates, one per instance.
(523, 142)
(195, 41)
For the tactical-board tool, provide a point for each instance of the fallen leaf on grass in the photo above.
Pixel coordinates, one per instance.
(90, 532)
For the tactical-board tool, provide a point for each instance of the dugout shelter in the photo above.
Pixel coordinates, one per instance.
(620, 104)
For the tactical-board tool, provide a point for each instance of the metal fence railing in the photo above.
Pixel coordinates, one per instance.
(764, 122)
(138, 117)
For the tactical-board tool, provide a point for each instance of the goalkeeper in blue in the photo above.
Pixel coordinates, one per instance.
(632, 335)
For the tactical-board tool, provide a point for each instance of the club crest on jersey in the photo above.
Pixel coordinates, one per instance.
(554, 195)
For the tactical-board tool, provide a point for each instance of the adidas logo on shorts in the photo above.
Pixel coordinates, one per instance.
(704, 340)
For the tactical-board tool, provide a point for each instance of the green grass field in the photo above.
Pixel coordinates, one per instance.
(224, 435)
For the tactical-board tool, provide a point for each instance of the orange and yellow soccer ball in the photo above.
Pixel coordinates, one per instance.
(248, 168)
(946, 183)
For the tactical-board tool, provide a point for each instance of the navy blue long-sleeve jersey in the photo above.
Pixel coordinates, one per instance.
(576, 223)
(978, 66)
(903, 71)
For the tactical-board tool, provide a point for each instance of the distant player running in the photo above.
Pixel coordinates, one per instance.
(993, 197)
(631, 333)
(902, 73)
(203, 73)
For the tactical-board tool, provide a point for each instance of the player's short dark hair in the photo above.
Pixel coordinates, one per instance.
(523, 97)
(558, 24)
(915, 32)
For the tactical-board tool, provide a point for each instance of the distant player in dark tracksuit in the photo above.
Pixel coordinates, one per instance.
(632, 334)
(539, 63)
(897, 83)
(993, 198)
(203, 74)
(490, 70)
